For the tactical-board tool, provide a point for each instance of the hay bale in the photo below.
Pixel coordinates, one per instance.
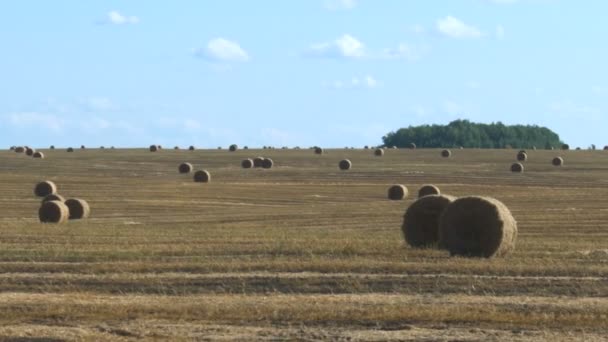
(606, 148)
(412, 146)
(19, 149)
(29, 151)
(245, 147)
(38, 154)
(446, 153)
(247, 163)
(12, 148)
(78, 208)
(477, 226)
(153, 148)
(45, 188)
(53, 197)
(522, 156)
(160, 147)
(202, 176)
(517, 167)
(318, 150)
(70, 149)
(428, 189)
(191, 148)
(397, 192)
(185, 168)
(102, 147)
(82, 147)
(378, 152)
(267, 163)
(345, 164)
(557, 161)
(52, 147)
(258, 161)
(366, 147)
(565, 147)
(176, 148)
(53, 212)
(233, 148)
(421, 220)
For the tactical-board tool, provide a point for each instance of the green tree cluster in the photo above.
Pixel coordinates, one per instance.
(474, 135)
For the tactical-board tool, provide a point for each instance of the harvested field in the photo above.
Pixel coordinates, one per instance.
(305, 251)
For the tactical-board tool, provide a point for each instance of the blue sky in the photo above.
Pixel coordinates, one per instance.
(301, 72)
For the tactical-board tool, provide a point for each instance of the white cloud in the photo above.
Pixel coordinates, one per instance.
(455, 28)
(335, 5)
(223, 50)
(115, 17)
(346, 46)
(367, 82)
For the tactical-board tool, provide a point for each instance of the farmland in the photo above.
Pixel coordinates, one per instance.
(300, 251)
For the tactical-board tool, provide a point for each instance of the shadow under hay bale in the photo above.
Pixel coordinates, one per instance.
(53, 212)
(421, 220)
(45, 188)
(258, 161)
(378, 152)
(446, 153)
(78, 208)
(428, 189)
(38, 155)
(477, 227)
(517, 167)
(185, 168)
(345, 164)
(522, 156)
(247, 163)
(53, 197)
(267, 163)
(202, 176)
(397, 192)
(557, 161)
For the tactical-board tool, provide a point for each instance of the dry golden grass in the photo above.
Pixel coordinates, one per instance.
(300, 251)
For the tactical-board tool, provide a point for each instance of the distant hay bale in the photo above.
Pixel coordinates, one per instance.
(378, 152)
(578, 148)
(245, 147)
(517, 167)
(78, 208)
(534, 148)
(191, 148)
(606, 148)
(446, 153)
(233, 148)
(219, 147)
(38, 154)
(345, 164)
(160, 147)
(12, 148)
(53, 197)
(185, 168)
(52, 147)
(153, 148)
(267, 163)
(397, 192)
(45, 188)
(202, 176)
(366, 147)
(258, 161)
(522, 156)
(176, 148)
(565, 147)
(102, 147)
(82, 147)
(19, 149)
(421, 220)
(29, 151)
(53, 212)
(557, 161)
(428, 189)
(247, 163)
(478, 227)
(412, 146)
(70, 149)
(318, 150)
(394, 147)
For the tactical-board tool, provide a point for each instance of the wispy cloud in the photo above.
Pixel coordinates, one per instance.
(368, 82)
(35, 119)
(223, 50)
(455, 28)
(405, 51)
(335, 5)
(345, 47)
(117, 18)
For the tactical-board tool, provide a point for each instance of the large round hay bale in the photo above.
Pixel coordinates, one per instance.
(477, 226)
(345, 164)
(522, 156)
(233, 148)
(53, 212)
(70, 149)
(267, 163)
(53, 197)
(397, 192)
(19, 149)
(421, 220)
(565, 147)
(446, 153)
(202, 176)
(79, 208)
(153, 148)
(45, 188)
(412, 146)
(517, 167)
(557, 161)
(185, 168)
(428, 189)
(247, 163)
(29, 151)
(378, 152)
(258, 161)
(191, 148)
(38, 154)
(318, 150)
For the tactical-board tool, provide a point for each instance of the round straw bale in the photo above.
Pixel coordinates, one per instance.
(102, 147)
(82, 147)
(366, 147)
(45, 188)
(378, 152)
(247, 163)
(29, 151)
(258, 161)
(160, 147)
(53, 197)
(202, 176)
(233, 147)
(534, 148)
(517, 167)
(245, 147)
(153, 148)
(557, 161)
(565, 147)
(477, 226)
(70, 149)
(12, 148)
(52, 147)
(397, 192)
(446, 153)
(345, 164)
(421, 220)
(191, 148)
(184, 168)
(79, 208)
(428, 189)
(412, 146)
(19, 149)
(267, 163)
(606, 148)
(522, 156)
(318, 150)
(53, 212)
(176, 148)
(38, 154)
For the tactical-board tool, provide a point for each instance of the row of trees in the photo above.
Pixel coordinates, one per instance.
(474, 135)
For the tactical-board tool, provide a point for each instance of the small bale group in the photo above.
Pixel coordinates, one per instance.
(54, 208)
